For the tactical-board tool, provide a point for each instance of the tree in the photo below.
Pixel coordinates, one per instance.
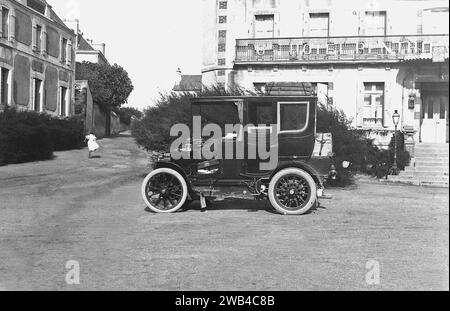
(126, 114)
(110, 86)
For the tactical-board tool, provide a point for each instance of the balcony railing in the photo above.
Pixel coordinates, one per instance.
(330, 49)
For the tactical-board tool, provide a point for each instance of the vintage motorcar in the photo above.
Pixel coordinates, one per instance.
(293, 185)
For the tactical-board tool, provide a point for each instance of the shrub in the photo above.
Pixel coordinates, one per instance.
(24, 137)
(125, 114)
(27, 136)
(65, 134)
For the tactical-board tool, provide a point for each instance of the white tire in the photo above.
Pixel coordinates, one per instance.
(164, 190)
(293, 191)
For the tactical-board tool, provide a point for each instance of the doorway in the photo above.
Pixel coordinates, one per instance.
(435, 118)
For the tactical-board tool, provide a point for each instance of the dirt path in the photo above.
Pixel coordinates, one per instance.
(91, 212)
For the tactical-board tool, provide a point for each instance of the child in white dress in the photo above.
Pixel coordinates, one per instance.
(92, 143)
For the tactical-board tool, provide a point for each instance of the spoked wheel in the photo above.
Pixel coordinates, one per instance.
(293, 192)
(164, 190)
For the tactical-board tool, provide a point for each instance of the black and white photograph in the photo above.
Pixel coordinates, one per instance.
(242, 147)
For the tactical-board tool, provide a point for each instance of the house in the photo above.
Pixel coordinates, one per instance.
(37, 60)
(94, 118)
(187, 83)
(86, 52)
(368, 58)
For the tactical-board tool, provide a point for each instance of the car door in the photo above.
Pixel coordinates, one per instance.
(261, 115)
(296, 122)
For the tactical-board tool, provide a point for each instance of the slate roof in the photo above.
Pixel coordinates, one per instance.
(189, 83)
(84, 45)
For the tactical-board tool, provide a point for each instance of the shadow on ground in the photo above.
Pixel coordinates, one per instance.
(236, 204)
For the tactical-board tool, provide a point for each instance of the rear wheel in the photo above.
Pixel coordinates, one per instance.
(293, 191)
(164, 190)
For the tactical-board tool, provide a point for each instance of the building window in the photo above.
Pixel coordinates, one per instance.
(37, 5)
(64, 50)
(264, 26)
(5, 23)
(38, 34)
(4, 89)
(37, 88)
(375, 23)
(319, 24)
(221, 61)
(222, 19)
(373, 104)
(63, 101)
(223, 5)
(222, 34)
(222, 48)
(221, 73)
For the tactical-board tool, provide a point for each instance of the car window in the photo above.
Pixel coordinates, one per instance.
(293, 117)
(220, 114)
(261, 114)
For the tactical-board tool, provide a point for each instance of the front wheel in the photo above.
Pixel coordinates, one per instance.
(164, 190)
(293, 191)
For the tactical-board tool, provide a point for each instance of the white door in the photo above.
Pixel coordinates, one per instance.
(435, 119)
(264, 26)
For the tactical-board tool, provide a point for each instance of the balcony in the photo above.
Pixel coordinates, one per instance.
(339, 49)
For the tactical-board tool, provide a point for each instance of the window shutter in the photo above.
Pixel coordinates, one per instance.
(386, 104)
(420, 22)
(34, 37)
(359, 103)
(388, 24)
(362, 26)
(1, 22)
(306, 25)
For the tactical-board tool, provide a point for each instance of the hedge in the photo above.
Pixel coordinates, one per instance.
(27, 136)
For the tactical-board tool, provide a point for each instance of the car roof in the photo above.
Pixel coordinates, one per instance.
(243, 98)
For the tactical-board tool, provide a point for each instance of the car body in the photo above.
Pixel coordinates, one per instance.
(304, 159)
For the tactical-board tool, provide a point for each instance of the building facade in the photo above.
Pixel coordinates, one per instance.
(368, 58)
(37, 60)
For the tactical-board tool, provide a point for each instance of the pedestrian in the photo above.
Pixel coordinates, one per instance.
(92, 143)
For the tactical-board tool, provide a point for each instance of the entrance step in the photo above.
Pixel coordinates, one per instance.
(431, 167)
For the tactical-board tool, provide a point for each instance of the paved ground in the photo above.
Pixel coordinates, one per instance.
(90, 211)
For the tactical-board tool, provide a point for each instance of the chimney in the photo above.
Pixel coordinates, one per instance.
(178, 76)
(104, 49)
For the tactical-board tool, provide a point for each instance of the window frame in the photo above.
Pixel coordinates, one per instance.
(64, 49)
(63, 100)
(307, 103)
(373, 93)
(368, 14)
(223, 5)
(5, 86)
(312, 16)
(38, 39)
(6, 23)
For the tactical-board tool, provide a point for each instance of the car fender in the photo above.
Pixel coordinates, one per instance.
(166, 164)
(301, 165)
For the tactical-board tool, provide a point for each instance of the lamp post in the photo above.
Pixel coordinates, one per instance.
(396, 120)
